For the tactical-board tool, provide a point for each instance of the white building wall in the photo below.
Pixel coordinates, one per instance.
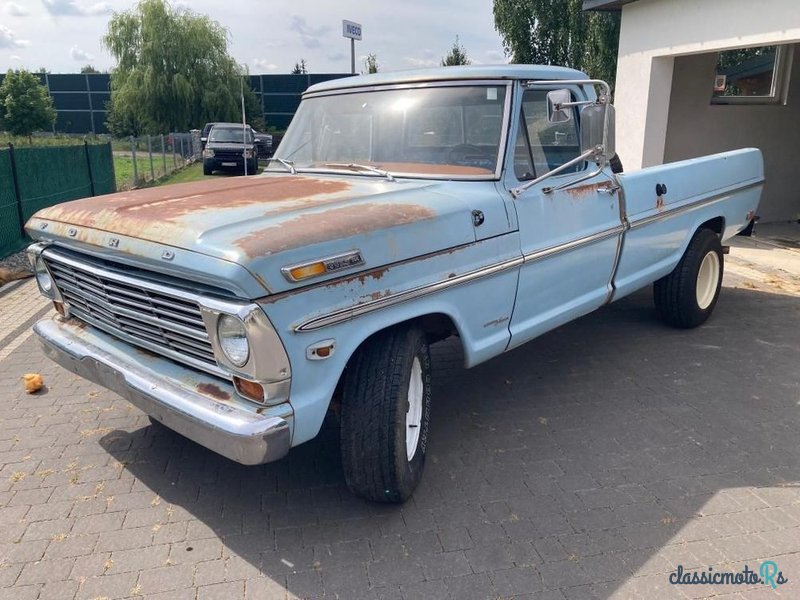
(655, 31)
(697, 127)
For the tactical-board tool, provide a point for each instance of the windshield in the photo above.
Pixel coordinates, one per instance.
(452, 131)
(229, 135)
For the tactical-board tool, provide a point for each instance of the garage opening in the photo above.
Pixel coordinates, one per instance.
(740, 98)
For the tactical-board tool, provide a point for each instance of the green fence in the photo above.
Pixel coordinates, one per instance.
(35, 178)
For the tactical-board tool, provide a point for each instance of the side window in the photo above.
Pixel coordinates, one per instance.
(550, 144)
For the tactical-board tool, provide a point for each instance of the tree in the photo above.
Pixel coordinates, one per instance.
(300, 68)
(559, 33)
(173, 71)
(456, 56)
(371, 63)
(25, 105)
(89, 69)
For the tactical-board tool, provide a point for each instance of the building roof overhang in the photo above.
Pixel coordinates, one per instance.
(614, 5)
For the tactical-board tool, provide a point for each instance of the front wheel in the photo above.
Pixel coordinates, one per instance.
(686, 297)
(385, 415)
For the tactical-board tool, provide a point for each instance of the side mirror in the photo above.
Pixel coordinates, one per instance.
(593, 124)
(556, 113)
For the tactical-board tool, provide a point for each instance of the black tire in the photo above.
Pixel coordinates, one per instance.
(156, 423)
(374, 408)
(676, 295)
(207, 170)
(615, 163)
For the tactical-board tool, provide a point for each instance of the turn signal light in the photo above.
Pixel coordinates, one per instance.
(249, 389)
(306, 271)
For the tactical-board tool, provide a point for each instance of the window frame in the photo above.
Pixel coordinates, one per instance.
(529, 147)
(781, 73)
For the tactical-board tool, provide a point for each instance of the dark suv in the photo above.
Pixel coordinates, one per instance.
(227, 148)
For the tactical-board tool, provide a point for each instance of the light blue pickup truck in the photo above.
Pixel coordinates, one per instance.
(399, 209)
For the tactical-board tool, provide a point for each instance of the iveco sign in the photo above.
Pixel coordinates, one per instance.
(351, 30)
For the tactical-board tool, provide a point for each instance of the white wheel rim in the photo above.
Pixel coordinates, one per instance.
(414, 414)
(707, 279)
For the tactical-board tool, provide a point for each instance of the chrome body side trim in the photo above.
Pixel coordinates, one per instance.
(671, 212)
(571, 245)
(346, 314)
(223, 425)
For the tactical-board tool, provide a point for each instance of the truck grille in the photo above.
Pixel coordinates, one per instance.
(136, 311)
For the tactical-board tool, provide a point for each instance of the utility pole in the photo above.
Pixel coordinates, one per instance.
(244, 126)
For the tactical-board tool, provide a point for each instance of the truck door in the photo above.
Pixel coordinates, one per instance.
(570, 237)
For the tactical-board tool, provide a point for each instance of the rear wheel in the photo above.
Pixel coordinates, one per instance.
(686, 297)
(385, 415)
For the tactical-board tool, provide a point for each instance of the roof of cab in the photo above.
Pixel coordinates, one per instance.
(450, 74)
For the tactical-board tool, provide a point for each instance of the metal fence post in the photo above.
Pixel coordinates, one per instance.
(183, 154)
(135, 162)
(174, 161)
(150, 154)
(89, 167)
(163, 154)
(15, 180)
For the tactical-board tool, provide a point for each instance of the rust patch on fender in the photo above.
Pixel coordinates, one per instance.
(659, 203)
(582, 191)
(128, 212)
(379, 295)
(331, 224)
(214, 391)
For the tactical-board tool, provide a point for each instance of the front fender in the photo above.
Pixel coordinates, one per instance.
(479, 307)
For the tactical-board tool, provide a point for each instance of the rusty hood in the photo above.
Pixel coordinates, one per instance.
(270, 221)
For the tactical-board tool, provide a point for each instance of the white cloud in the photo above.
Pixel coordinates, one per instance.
(264, 64)
(15, 57)
(15, 10)
(309, 35)
(78, 54)
(71, 8)
(421, 62)
(8, 39)
(496, 56)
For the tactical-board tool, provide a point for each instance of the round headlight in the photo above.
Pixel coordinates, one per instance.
(43, 277)
(233, 340)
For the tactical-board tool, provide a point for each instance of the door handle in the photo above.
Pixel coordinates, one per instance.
(611, 190)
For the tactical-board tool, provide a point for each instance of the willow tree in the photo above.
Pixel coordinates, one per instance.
(559, 33)
(173, 71)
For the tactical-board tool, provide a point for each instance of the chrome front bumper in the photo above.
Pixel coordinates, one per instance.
(201, 407)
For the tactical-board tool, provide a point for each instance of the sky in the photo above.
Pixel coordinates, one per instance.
(268, 36)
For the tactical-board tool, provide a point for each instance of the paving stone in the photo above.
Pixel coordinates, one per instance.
(612, 469)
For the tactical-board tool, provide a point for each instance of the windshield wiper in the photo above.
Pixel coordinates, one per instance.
(286, 163)
(358, 167)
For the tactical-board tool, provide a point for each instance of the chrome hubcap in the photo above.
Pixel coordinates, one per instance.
(707, 278)
(414, 414)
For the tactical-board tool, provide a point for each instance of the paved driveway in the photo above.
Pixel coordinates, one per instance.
(588, 464)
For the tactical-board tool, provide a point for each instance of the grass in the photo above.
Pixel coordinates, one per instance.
(123, 169)
(193, 172)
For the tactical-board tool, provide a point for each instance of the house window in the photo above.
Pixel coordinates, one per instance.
(751, 75)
